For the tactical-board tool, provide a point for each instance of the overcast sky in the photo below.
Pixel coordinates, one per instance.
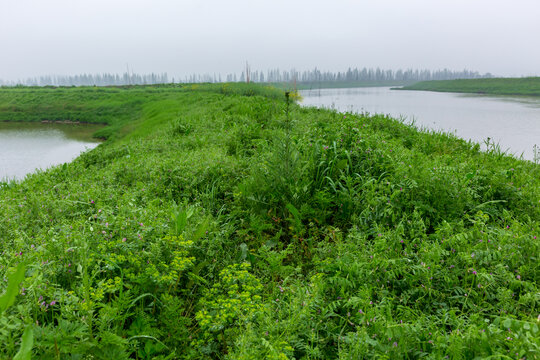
(39, 37)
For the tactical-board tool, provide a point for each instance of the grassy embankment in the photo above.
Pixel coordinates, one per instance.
(496, 86)
(219, 222)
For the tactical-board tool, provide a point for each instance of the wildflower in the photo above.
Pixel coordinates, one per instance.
(53, 302)
(394, 344)
(474, 272)
(518, 277)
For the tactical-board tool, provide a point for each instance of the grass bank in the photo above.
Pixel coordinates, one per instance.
(225, 222)
(495, 86)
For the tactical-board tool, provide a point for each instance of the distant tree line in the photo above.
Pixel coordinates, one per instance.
(359, 75)
(91, 79)
(270, 76)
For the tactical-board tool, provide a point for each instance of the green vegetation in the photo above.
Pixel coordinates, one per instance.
(497, 86)
(226, 222)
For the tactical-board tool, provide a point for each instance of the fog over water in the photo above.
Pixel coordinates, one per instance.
(187, 36)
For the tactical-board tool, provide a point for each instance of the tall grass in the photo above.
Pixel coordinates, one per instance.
(225, 222)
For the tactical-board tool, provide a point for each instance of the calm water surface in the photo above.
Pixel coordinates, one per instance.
(29, 146)
(512, 122)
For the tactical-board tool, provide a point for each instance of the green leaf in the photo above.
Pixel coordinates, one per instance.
(201, 229)
(8, 298)
(342, 164)
(25, 352)
(243, 251)
(194, 275)
(296, 215)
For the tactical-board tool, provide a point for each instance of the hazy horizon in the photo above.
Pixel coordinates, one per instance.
(181, 38)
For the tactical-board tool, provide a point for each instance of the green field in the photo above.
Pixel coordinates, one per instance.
(529, 86)
(225, 222)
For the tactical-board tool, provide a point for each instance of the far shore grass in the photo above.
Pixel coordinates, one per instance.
(527, 86)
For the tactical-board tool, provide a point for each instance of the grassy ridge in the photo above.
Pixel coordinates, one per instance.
(497, 86)
(223, 222)
(112, 106)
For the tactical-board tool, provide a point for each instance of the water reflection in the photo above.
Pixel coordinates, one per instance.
(25, 147)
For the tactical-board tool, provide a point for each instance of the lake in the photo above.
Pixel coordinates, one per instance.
(512, 122)
(25, 147)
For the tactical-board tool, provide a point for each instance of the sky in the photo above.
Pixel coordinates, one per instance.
(182, 37)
